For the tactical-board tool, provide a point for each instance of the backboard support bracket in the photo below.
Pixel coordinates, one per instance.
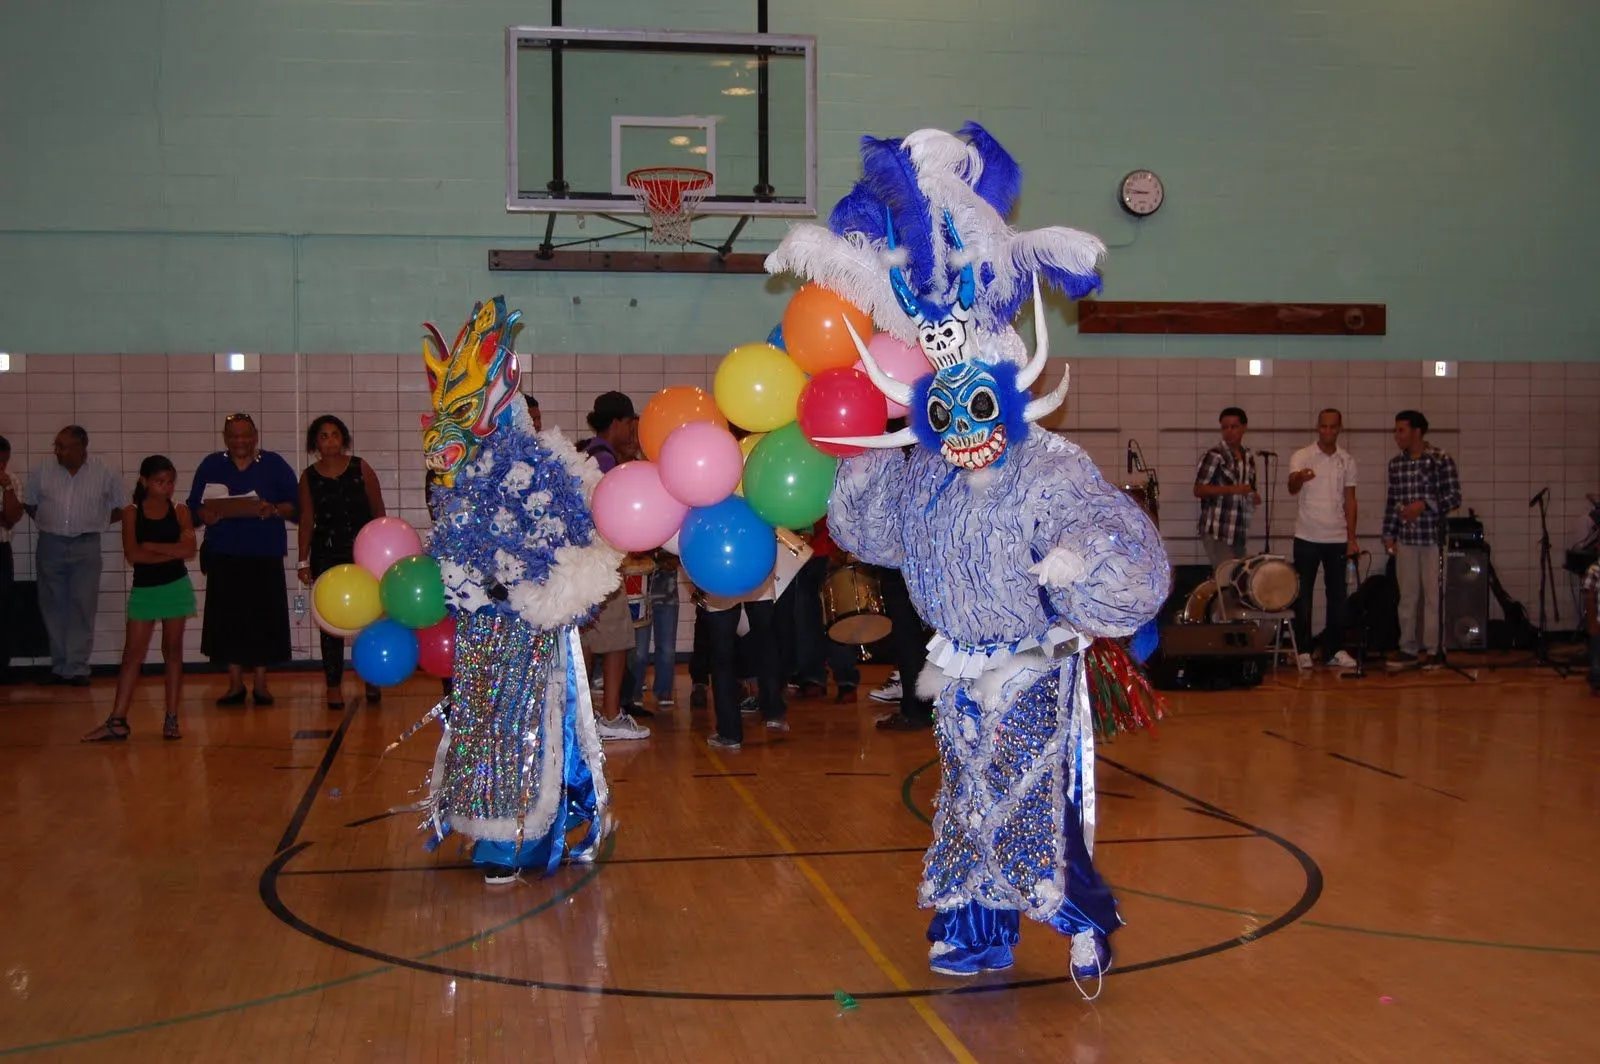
(559, 256)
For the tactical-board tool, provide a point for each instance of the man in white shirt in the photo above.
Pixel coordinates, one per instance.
(1322, 477)
(10, 514)
(70, 500)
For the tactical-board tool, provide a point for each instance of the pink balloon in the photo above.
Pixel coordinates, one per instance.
(700, 463)
(841, 402)
(633, 511)
(902, 361)
(384, 541)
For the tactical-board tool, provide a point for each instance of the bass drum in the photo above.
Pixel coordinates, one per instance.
(1198, 609)
(852, 607)
(1265, 582)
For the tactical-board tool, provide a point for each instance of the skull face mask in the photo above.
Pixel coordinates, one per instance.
(970, 413)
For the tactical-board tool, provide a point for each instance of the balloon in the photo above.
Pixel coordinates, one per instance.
(412, 591)
(814, 332)
(670, 409)
(726, 549)
(700, 464)
(632, 510)
(436, 647)
(841, 402)
(384, 541)
(775, 337)
(757, 386)
(787, 480)
(747, 445)
(333, 630)
(346, 597)
(385, 653)
(904, 362)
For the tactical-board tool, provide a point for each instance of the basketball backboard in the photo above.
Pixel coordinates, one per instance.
(585, 107)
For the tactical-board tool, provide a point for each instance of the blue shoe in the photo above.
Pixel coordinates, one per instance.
(946, 959)
(1091, 960)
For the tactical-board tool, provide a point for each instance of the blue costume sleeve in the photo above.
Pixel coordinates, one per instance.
(1126, 577)
(865, 514)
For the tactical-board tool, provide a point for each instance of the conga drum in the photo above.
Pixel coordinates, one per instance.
(1265, 582)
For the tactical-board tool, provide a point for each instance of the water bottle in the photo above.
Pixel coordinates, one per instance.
(1350, 571)
(300, 605)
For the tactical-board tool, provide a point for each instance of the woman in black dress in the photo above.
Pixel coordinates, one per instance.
(338, 494)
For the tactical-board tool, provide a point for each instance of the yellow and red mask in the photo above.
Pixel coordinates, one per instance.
(472, 384)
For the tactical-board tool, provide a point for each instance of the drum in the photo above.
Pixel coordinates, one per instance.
(1198, 609)
(1147, 496)
(636, 586)
(852, 606)
(1265, 582)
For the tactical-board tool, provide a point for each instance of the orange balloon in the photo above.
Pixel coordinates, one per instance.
(670, 409)
(814, 332)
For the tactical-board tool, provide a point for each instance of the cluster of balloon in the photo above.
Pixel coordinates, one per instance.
(722, 498)
(391, 602)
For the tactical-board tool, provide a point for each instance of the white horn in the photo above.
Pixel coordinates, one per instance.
(1047, 404)
(1041, 339)
(905, 436)
(893, 389)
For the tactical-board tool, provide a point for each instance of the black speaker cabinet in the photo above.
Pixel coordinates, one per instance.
(1466, 598)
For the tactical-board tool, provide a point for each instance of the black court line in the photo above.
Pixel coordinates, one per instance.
(1285, 738)
(375, 817)
(1364, 764)
(1102, 792)
(1436, 790)
(291, 834)
(701, 858)
(313, 733)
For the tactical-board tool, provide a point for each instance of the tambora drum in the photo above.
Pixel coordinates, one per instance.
(1265, 582)
(852, 606)
(1197, 610)
(636, 573)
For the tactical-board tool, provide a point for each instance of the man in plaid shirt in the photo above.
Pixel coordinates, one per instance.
(1423, 488)
(1225, 484)
(1591, 613)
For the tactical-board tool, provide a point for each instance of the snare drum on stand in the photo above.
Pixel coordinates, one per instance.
(852, 606)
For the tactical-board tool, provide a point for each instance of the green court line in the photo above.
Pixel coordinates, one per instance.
(1443, 940)
(315, 988)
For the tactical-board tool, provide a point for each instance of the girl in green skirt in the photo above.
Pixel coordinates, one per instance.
(157, 538)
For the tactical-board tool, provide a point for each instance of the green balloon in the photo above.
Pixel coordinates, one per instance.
(412, 592)
(787, 481)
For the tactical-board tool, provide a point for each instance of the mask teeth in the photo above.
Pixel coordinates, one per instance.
(945, 361)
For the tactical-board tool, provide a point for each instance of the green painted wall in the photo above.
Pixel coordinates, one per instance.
(321, 175)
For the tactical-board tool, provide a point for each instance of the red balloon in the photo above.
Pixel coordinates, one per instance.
(437, 647)
(841, 402)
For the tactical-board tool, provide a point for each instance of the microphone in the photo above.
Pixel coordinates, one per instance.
(1543, 493)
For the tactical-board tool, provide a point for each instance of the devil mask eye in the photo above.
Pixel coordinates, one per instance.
(938, 415)
(983, 405)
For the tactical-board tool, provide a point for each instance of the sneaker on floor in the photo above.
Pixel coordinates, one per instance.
(947, 959)
(847, 693)
(1303, 662)
(1091, 959)
(624, 727)
(1400, 659)
(717, 742)
(499, 875)
(901, 722)
(637, 709)
(697, 696)
(1432, 661)
(750, 705)
(779, 725)
(665, 703)
(1342, 660)
(889, 692)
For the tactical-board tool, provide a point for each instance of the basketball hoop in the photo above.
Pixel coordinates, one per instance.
(669, 195)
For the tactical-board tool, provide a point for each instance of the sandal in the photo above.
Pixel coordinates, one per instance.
(169, 727)
(114, 730)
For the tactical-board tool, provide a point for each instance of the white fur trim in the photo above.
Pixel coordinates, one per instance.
(580, 578)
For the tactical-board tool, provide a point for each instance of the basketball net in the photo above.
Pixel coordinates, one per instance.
(670, 195)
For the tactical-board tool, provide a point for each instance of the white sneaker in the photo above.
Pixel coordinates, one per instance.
(890, 691)
(1342, 660)
(1303, 662)
(624, 727)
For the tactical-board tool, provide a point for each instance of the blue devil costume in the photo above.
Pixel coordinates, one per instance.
(1014, 548)
(519, 767)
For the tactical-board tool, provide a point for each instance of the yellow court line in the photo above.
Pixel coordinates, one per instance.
(881, 959)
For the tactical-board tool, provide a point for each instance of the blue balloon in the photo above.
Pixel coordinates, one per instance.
(775, 338)
(385, 653)
(726, 549)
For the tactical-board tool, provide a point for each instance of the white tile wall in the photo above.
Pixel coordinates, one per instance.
(1513, 427)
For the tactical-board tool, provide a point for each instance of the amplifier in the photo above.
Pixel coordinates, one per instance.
(1225, 639)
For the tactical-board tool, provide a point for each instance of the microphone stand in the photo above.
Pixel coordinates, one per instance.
(1547, 581)
(1267, 458)
(1444, 658)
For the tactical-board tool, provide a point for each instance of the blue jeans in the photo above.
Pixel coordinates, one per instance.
(663, 630)
(69, 590)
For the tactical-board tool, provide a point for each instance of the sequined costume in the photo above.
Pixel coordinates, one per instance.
(1014, 548)
(520, 764)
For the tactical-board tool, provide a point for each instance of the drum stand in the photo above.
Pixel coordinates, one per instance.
(1547, 586)
(1444, 659)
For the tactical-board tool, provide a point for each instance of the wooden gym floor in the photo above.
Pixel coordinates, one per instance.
(1390, 869)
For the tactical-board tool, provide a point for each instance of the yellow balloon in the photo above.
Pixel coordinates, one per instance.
(747, 445)
(346, 596)
(758, 386)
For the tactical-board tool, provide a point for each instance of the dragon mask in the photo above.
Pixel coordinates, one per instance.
(472, 383)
